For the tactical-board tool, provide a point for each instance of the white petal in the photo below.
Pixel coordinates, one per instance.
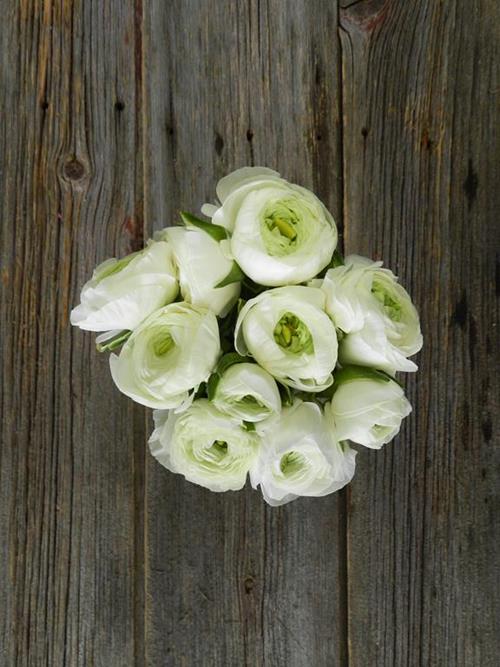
(209, 210)
(227, 185)
(321, 466)
(167, 379)
(202, 265)
(368, 411)
(121, 294)
(184, 443)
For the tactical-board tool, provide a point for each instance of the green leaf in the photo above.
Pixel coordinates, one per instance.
(251, 289)
(249, 426)
(212, 383)
(286, 395)
(344, 444)
(217, 232)
(352, 372)
(229, 360)
(225, 362)
(234, 276)
(327, 394)
(337, 260)
(202, 389)
(114, 342)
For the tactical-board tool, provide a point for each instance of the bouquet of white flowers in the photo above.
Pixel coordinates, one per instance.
(262, 350)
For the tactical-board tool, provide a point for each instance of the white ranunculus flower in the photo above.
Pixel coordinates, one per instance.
(367, 408)
(123, 292)
(288, 333)
(248, 392)
(205, 446)
(300, 456)
(168, 355)
(202, 265)
(281, 233)
(368, 304)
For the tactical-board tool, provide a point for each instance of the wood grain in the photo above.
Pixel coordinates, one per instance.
(115, 116)
(421, 172)
(72, 447)
(230, 581)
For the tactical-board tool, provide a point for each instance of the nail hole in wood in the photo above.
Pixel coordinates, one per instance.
(249, 584)
(44, 105)
(219, 143)
(249, 135)
(364, 132)
(119, 105)
(317, 75)
(471, 184)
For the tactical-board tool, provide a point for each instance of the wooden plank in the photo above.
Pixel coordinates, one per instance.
(421, 157)
(71, 462)
(230, 581)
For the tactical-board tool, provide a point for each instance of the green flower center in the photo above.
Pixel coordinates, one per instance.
(391, 306)
(291, 463)
(280, 228)
(293, 335)
(250, 402)
(218, 449)
(162, 343)
(285, 224)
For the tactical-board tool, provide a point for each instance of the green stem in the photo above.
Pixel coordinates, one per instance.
(114, 342)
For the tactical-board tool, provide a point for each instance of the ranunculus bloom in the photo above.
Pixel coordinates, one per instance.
(368, 304)
(288, 333)
(123, 292)
(281, 233)
(248, 392)
(300, 456)
(202, 265)
(368, 411)
(168, 355)
(205, 446)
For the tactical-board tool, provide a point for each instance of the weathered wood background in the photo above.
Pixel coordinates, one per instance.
(116, 114)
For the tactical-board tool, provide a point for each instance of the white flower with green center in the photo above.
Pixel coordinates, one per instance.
(123, 292)
(202, 265)
(247, 392)
(368, 304)
(300, 456)
(367, 406)
(168, 356)
(288, 333)
(205, 446)
(281, 233)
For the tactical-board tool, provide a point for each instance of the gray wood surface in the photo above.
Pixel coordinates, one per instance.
(421, 175)
(225, 87)
(72, 453)
(114, 116)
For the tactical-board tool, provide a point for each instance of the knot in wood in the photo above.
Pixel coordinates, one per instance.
(74, 170)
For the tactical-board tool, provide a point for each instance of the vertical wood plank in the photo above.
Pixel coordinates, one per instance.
(230, 581)
(71, 461)
(421, 158)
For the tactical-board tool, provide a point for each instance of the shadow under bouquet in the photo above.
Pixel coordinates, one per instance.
(263, 351)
